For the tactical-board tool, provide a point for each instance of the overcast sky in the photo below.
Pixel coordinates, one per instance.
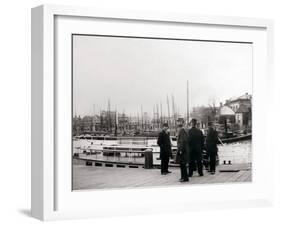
(134, 72)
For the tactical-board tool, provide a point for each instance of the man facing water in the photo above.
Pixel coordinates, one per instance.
(196, 144)
(182, 156)
(211, 145)
(164, 143)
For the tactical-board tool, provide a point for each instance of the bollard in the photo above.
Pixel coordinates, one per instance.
(224, 162)
(120, 166)
(229, 162)
(108, 165)
(148, 159)
(89, 163)
(133, 166)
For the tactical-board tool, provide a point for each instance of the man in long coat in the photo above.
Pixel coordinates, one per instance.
(182, 156)
(164, 142)
(196, 144)
(211, 146)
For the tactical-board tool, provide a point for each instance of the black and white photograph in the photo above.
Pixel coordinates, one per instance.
(138, 113)
(157, 112)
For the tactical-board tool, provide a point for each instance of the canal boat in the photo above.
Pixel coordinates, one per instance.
(237, 138)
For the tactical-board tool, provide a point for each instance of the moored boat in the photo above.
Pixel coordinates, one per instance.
(237, 138)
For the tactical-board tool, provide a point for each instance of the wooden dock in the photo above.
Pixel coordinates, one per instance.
(101, 177)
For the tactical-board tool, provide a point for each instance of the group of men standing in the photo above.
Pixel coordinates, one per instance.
(190, 145)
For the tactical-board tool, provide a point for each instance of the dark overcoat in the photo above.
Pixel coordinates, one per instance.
(212, 141)
(196, 140)
(183, 152)
(164, 143)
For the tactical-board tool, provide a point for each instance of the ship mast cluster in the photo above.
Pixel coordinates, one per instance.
(113, 122)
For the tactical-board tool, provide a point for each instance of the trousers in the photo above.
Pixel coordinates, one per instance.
(183, 169)
(195, 160)
(164, 165)
(213, 159)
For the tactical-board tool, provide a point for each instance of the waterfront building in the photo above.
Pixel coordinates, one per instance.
(108, 120)
(87, 122)
(205, 114)
(77, 126)
(226, 117)
(235, 102)
(242, 106)
(123, 122)
(96, 123)
(243, 116)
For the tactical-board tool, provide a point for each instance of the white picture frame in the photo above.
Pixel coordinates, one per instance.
(52, 197)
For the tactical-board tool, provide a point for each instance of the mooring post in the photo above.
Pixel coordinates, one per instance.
(89, 163)
(148, 159)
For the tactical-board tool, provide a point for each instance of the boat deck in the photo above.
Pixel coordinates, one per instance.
(95, 177)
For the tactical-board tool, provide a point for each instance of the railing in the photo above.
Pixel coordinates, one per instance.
(115, 154)
(134, 153)
(132, 141)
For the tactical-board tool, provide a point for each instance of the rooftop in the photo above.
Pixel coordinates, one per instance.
(246, 96)
(225, 110)
(243, 109)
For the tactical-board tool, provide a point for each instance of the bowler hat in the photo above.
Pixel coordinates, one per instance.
(194, 120)
(165, 124)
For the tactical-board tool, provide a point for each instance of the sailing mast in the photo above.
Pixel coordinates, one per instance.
(187, 102)
(157, 110)
(141, 118)
(109, 117)
(153, 119)
(101, 120)
(174, 113)
(94, 120)
(161, 116)
(168, 109)
(138, 124)
(116, 122)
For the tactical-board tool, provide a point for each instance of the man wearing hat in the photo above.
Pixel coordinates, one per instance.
(196, 144)
(182, 156)
(164, 143)
(211, 146)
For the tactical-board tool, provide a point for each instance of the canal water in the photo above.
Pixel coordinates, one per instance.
(240, 152)
(234, 153)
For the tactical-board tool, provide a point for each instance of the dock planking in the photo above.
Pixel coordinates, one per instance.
(94, 177)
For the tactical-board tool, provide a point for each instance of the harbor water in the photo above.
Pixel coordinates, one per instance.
(233, 153)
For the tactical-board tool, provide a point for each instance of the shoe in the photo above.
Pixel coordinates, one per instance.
(201, 175)
(212, 173)
(168, 172)
(184, 180)
(164, 173)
